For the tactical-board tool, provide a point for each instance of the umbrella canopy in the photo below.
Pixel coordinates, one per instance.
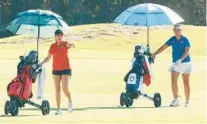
(28, 22)
(38, 23)
(148, 14)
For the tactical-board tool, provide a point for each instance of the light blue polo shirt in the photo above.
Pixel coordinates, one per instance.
(178, 48)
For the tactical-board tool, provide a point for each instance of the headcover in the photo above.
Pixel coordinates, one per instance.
(138, 50)
(31, 58)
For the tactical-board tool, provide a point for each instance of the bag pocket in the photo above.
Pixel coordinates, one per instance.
(14, 88)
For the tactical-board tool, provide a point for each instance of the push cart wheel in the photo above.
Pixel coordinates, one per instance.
(157, 100)
(128, 102)
(14, 108)
(122, 99)
(6, 108)
(131, 102)
(45, 107)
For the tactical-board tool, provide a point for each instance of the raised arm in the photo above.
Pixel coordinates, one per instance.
(47, 59)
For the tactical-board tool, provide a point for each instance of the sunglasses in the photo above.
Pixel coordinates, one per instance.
(59, 35)
(176, 29)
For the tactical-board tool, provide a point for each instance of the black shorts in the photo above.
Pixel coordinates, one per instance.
(62, 72)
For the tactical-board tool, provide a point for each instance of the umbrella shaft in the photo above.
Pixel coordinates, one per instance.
(38, 37)
(147, 35)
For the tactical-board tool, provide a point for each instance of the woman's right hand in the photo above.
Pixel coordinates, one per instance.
(41, 63)
(46, 59)
(154, 55)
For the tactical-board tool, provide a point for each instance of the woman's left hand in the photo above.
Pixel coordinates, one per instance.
(72, 45)
(178, 61)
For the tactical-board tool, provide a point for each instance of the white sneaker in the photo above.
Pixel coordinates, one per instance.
(58, 112)
(186, 103)
(175, 103)
(70, 107)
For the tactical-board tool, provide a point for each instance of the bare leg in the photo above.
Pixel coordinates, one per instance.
(174, 85)
(186, 86)
(57, 80)
(65, 81)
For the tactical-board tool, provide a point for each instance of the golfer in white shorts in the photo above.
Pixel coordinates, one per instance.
(181, 63)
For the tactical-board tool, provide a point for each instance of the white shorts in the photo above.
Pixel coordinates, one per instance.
(183, 68)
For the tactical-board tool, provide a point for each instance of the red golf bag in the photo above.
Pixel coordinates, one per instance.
(21, 85)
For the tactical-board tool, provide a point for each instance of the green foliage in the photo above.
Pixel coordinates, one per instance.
(95, 11)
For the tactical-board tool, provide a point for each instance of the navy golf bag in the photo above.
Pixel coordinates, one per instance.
(138, 75)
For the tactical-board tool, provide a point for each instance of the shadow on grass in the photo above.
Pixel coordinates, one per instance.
(1, 116)
(96, 108)
(112, 108)
(83, 109)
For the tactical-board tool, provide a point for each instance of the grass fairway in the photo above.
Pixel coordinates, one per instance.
(99, 62)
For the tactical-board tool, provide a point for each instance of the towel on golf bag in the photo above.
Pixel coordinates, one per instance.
(41, 84)
(148, 76)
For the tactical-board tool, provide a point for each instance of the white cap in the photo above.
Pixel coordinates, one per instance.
(177, 26)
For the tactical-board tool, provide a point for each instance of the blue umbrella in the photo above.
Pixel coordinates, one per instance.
(148, 14)
(38, 23)
(27, 22)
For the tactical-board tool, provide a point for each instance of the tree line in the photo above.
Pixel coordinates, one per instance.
(76, 12)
